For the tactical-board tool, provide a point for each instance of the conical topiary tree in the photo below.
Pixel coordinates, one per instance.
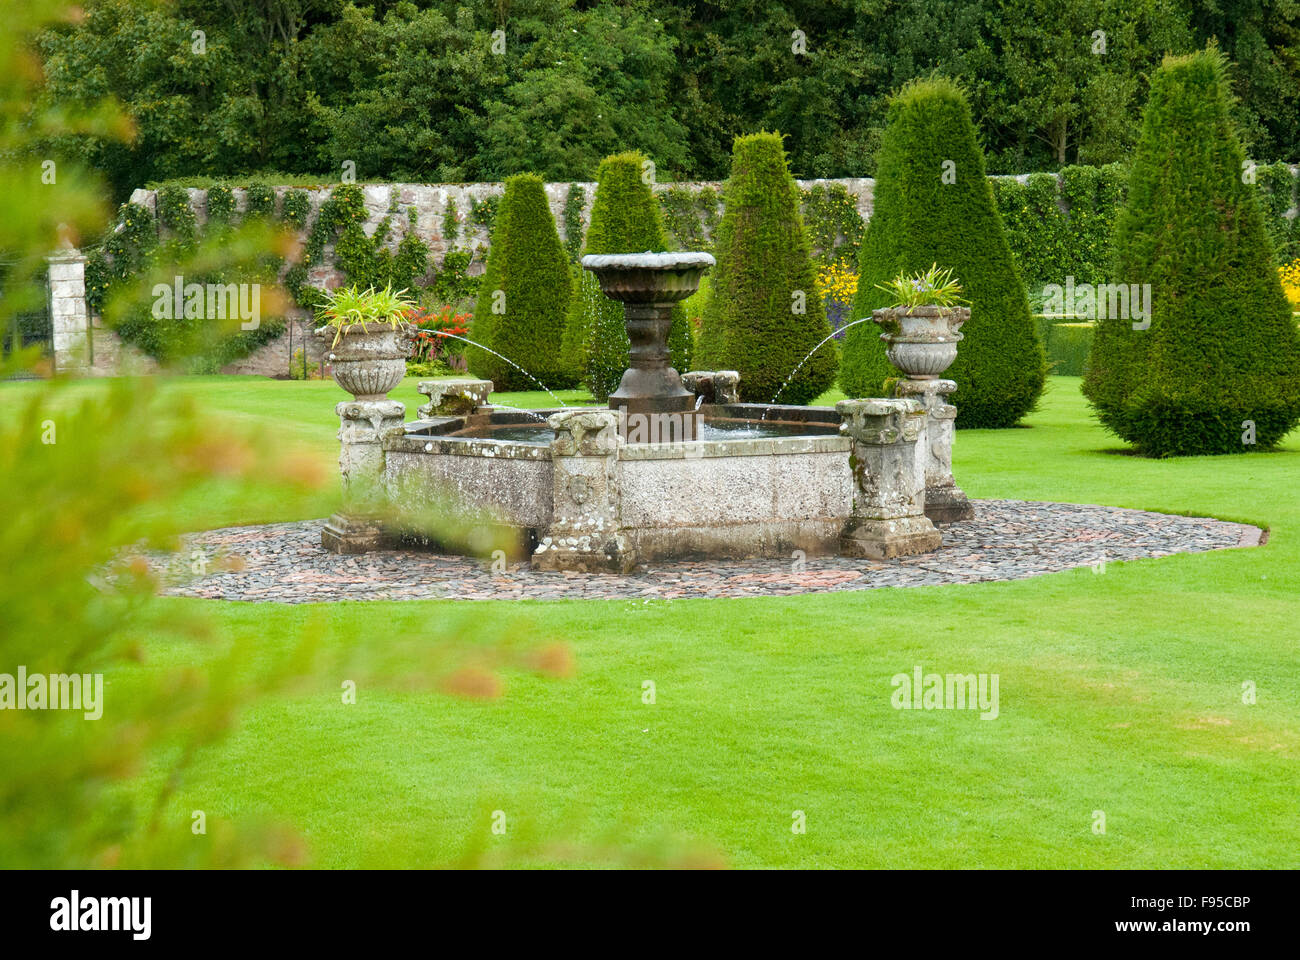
(523, 294)
(934, 204)
(625, 218)
(1218, 368)
(764, 313)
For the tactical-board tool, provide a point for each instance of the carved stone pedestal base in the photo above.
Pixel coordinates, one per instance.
(885, 539)
(888, 517)
(348, 534)
(945, 502)
(362, 425)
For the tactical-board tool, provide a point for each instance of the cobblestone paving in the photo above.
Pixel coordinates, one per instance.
(1008, 540)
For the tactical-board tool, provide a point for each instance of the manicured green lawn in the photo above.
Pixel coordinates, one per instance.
(1120, 692)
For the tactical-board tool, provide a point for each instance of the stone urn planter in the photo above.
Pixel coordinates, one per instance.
(368, 363)
(921, 341)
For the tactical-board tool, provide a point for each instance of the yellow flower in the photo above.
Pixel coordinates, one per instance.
(1289, 274)
(838, 281)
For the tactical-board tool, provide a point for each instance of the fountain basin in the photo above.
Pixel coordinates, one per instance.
(739, 495)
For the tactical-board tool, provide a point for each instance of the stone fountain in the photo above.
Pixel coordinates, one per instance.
(651, 395)
(674, 468)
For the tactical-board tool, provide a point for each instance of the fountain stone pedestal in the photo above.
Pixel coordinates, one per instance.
(652, 403)
(358, 526)
(922, 343)
(888, 518)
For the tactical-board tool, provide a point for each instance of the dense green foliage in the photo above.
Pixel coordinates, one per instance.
(691, 216)
(200, 339)
(625, 218)
(524, 293)
(1218, 368)
(933, 204)
(574, 201)
(1067, 345)
(1061, 225)
(422, 90)
(764, 314)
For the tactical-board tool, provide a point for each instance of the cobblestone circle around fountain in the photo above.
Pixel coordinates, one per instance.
(1008, 540)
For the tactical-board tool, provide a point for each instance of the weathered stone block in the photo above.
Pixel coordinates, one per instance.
(714, 386)
(453, 398)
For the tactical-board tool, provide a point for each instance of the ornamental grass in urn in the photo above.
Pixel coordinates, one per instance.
(922, 329)
(371, 338)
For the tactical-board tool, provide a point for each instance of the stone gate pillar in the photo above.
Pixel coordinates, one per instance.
(69, 317)
(888, 518)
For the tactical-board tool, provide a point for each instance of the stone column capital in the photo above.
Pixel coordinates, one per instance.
(585, 433)
(67, 254)
(933, 394)
(881, 422)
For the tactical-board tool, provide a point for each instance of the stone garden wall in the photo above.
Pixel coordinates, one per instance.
(430, 203)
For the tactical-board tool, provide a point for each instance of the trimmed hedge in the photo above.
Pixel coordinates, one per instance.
(764, 312)
(1067, 345)
(625, 218)
(920, 219)
(1061, 225)
(524, 294)
(1221, 355)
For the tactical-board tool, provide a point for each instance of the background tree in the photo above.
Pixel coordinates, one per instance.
(764, 312)
(933, 204)
(1218, 369)
(524, 293)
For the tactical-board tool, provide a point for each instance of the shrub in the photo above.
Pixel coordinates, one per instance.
(625, 218)
(524, 293)
(765, 277)
(261, 201)
(830, 215)
(411, 262)
(930, 211)
(451, 224)
(221, 205)
(573, 204)
(1276, 195)
(176, 214)
(1221, 355)
(690, 216)
(295, 209)
(453, 282)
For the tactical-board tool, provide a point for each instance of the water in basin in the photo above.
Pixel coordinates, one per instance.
(709, 430)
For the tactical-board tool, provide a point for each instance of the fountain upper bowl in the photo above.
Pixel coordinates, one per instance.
(648, 277)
